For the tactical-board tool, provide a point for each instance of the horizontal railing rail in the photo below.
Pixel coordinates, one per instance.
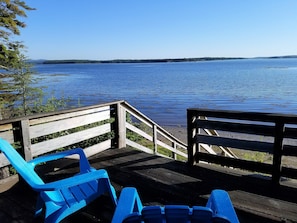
(271, 135)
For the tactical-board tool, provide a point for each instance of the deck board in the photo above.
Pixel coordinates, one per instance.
(164, 181)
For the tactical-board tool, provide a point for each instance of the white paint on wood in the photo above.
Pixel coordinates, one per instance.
(140, 118)
(95, 149)
(170, 137)
(60, 142)
(208, 148)
(139, 131)
(67, 115)
(164, 145)
(3, 160)
(140, 147)
(26, 139)
(69, 123)
(5, 127)
(8, 136)
(121, 128)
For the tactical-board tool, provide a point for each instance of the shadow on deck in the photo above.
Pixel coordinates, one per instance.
(163, 181)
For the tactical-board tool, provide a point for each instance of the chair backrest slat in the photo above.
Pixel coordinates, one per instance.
(201, 214)
(153, 214)
(177, 213)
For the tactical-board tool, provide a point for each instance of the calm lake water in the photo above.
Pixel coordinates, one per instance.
(163, 91)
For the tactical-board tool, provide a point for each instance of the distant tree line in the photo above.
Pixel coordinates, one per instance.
(140, 60)
(157, 60)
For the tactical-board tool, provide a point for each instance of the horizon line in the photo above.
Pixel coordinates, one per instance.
(166, 59)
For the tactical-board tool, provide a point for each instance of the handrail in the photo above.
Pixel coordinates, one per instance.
(161, 138)
(264, 133)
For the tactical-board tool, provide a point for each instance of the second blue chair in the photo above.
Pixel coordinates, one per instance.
(218, 209)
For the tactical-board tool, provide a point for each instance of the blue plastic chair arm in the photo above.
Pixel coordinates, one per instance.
(129, 202)
(72, 181)
(84, 163)
(221, 205)
(76, 191)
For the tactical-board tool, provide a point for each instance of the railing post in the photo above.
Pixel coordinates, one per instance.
(155, 139)
(174, 155)
(121, 125)
(191, 143)
(25, 139)
(277, 151)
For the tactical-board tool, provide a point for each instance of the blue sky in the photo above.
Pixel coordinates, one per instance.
(146, 29)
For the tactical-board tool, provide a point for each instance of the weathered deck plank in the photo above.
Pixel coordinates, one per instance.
(164, 181)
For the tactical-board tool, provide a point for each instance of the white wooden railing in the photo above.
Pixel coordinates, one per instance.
(161, 141)
(93, 128)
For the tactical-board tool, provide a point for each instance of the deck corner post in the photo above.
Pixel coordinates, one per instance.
(277, 151)
(120, 131)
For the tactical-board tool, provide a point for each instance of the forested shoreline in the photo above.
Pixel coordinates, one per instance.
(75, 61)
(139, 60)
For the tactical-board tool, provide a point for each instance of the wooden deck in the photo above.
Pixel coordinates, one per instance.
(163, 181)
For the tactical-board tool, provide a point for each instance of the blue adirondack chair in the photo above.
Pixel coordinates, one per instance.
(130, 210)
(61, 198)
